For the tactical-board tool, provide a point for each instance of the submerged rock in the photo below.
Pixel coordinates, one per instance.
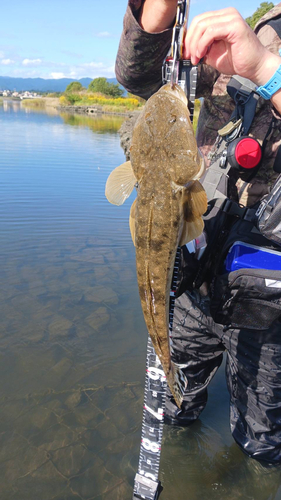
(98, 318)
(60, 326)
(101, 294)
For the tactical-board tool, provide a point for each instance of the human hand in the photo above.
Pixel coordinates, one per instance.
(228, 44)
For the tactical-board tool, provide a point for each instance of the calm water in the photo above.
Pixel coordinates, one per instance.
(72, 335)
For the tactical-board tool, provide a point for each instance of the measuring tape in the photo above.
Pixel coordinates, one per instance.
(147, 485)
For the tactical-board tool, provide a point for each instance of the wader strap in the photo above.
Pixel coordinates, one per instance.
(215, 179)
(243, 93)
(215, 182)
(232, 208)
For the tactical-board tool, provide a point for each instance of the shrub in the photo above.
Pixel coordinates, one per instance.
(64, 101)
(74, 87)
(102, 85)
(73, 98)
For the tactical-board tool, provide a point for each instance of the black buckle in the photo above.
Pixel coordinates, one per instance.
(232, 208)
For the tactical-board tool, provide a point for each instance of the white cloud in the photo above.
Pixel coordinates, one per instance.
(103, 34)
(6, 62)
(91, 70)
(92, 65)
(56, 76)
(31, 62)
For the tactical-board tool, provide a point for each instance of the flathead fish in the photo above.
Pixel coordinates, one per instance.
(165, 167)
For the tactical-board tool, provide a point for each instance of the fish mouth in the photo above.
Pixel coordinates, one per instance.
(175, 91)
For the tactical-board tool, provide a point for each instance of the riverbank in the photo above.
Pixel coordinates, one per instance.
(41, 102)
(89, 110)
(96, 110)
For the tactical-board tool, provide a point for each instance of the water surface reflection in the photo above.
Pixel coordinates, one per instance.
(72, 335)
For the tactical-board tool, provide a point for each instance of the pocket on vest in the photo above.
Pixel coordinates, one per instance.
(247, 298)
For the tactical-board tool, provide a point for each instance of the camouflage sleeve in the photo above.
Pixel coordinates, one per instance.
(206, 79)
(140, 56)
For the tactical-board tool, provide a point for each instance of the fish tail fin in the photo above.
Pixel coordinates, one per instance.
(177, 382)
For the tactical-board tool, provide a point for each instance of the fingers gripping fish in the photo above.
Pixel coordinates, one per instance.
(165, 165)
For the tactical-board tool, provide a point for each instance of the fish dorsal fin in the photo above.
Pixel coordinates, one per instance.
(120, 184)
(132, 222)
(194, 206)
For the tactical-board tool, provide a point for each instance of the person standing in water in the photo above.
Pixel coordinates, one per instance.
(222, 44)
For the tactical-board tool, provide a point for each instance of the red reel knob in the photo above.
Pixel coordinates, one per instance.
(244, 154)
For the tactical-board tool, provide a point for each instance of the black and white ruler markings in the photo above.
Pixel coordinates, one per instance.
(147, 486)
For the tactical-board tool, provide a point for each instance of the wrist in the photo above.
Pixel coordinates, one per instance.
(269, 64)
(270, 81)
(157, 15)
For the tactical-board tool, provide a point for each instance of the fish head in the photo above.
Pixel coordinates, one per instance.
(183, 156)
(163, 136)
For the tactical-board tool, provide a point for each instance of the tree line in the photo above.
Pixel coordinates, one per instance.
(97, 85)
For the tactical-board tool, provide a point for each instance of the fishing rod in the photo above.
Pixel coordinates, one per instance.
(146, 484)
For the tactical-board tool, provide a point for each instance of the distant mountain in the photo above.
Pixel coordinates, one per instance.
(40, 84)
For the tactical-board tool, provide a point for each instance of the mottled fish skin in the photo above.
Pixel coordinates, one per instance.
(158, 221)
(164, 159)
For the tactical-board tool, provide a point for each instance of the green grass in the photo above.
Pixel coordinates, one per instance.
(108, 104)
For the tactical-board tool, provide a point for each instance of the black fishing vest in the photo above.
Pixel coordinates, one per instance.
(227, 221)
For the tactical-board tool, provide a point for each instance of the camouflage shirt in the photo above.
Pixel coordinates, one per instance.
(139, 69)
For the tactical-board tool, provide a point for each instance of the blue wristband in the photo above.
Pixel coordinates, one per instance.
(274, 84)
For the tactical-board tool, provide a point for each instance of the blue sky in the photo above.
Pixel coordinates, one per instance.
(71, 38)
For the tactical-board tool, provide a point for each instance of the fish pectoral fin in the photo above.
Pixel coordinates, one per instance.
(132, 222)
(191, 230)
(195, 201)
(120, 184)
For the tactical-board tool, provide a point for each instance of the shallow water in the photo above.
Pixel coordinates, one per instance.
(72, 335)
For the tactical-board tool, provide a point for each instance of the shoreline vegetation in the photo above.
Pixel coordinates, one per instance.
(101, 97)
(94, 108)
